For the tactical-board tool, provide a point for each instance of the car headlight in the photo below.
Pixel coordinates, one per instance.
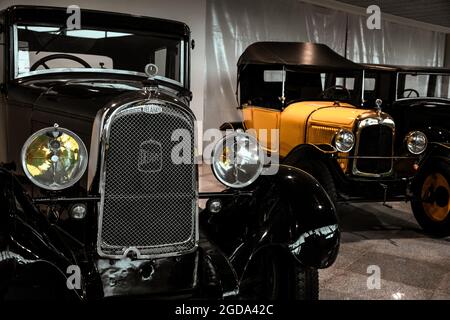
(416, 142)
(344, 140)
(54, 158)
(237, 160)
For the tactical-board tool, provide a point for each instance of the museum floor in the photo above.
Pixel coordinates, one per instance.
(412, 265)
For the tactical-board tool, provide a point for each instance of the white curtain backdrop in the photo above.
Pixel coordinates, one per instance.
(232, 25)
(394, 44)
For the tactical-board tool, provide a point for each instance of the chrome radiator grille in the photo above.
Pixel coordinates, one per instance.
(374, 147)
(148, 203)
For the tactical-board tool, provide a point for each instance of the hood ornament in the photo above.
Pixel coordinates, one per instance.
(150, 84)
(151, 70)
(378, 104)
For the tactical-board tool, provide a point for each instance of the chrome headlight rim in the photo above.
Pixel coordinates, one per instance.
(412, 135)
(217, 150)
(339, 147)
(74, 180)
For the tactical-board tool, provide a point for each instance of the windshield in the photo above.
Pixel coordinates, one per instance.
(423, 85)
(43, 49)
(271, 87)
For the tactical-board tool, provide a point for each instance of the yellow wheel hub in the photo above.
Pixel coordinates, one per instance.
(436, 197)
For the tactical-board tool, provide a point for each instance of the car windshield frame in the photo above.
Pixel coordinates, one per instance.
(183, 58)
(420, 73)
(328, 77)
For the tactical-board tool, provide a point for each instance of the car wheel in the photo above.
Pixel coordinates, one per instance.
(322, 174)
(271, 276)
(431, 201)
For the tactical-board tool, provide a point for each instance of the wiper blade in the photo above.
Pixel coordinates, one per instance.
(55, 36)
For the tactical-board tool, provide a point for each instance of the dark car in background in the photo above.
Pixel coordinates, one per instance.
(125, 214)
(418, 99)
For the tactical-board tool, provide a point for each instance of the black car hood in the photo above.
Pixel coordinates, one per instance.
(80, 99)
(424, 102)
(70, 100)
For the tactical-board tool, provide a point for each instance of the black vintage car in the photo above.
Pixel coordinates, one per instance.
(418, 100)
(308, 98)
(124, 220)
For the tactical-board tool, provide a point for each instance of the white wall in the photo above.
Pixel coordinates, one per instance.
(191, 12)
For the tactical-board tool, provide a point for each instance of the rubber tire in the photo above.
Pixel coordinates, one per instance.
(322, 174)
(307, 287)
(291, 281)
(433, 228)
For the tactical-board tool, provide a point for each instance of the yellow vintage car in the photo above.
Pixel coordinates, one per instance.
(303, 101)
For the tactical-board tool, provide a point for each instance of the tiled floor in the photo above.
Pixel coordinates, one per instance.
(411, 265)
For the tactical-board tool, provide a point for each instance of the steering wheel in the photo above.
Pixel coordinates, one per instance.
(332, 93)
(42, 61)
(410, 92)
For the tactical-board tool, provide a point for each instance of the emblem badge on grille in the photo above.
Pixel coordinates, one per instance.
(151, 108)
(150, 156)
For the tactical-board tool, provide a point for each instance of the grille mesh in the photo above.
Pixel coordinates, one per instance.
(375, 141)
(149, 202)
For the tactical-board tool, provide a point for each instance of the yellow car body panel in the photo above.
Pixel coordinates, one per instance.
(313, 122)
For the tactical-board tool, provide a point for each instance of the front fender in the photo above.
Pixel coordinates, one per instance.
(309, 151)
(300, 215)
(288, 211)
(30, 265)
(437, 134)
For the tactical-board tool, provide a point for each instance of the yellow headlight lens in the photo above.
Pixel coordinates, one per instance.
(54, 158)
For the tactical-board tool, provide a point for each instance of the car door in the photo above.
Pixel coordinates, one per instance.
(266, 123)
(262, 112)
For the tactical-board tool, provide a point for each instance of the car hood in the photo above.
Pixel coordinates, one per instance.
(71, 102)
(298, 118)
(324, 113)
(79, 99)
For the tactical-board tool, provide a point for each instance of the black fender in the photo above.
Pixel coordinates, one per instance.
(309, 151)
(437, 134)
(28, 259)
(435, 151)
(315, 152)
(289, 211)
(300, 217)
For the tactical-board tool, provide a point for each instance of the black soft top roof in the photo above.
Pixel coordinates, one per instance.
(409, 69)
(304, 54)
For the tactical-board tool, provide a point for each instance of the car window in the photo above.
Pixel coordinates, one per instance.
(49, 49)
(424, 85)
(442, 86)
(369, 84)
(418, 83)
(349, 83)
(274, 75)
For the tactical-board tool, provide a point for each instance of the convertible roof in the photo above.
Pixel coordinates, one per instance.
(305, 54)
(400, 68)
